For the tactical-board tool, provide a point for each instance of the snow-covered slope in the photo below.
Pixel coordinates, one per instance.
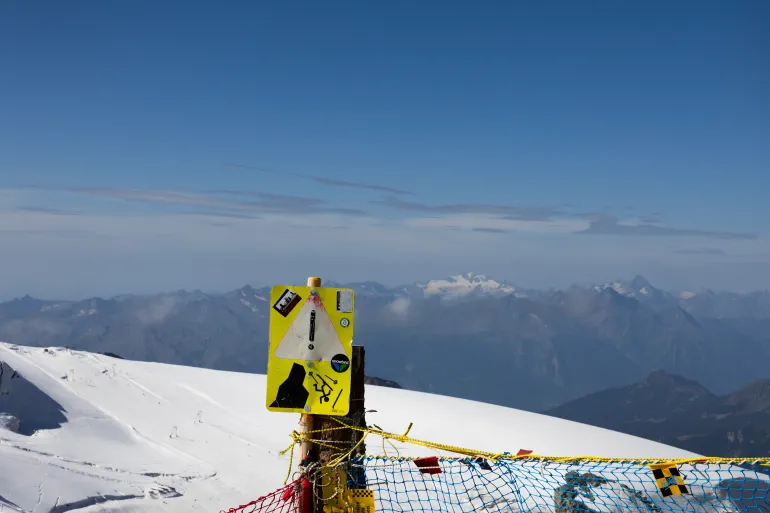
(154, 437)
(464, 285)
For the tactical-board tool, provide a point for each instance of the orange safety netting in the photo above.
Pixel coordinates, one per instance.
(284, 500)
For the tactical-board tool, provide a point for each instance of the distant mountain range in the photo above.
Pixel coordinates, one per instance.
(680, 412)
(468, 336)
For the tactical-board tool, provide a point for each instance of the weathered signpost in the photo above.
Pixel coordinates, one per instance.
(313, 369)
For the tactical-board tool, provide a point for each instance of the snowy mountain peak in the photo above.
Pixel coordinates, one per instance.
(639, 286)
(640, 282)
(619, 287)
(466, 284)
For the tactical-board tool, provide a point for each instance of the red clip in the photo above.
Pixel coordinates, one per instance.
(306, 504)
(428, 465)
(523, 452)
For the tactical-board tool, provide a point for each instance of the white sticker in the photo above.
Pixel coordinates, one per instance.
(345, 301)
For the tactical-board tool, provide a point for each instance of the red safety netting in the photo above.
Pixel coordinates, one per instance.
(284, 500)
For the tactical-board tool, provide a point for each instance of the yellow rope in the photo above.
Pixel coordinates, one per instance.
(344, 456)
(290, 450)
(306, 437)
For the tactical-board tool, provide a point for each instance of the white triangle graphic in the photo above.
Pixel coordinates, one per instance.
(296, 343)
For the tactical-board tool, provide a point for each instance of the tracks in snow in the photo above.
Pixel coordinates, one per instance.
(73, 466)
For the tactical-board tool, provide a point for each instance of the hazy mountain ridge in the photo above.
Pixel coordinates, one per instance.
(680, 412)
(531, 349)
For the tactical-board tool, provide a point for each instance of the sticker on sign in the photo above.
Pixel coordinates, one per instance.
(345, 301)
(286, 303)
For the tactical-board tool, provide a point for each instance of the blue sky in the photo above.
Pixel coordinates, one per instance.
(144, 146)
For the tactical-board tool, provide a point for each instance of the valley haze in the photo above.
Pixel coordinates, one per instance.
(468, 336)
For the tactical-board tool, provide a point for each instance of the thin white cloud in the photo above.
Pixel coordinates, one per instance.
(399, 307)
(108, 254)
(326, 181)
(512, 212)
(700, 251)
(605, 224)
(486, 223)
(264, 202)
(48, 252)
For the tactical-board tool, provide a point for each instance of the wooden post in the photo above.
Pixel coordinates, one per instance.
(343, 440)
(308, 454)
(357, 394)
(306, 421)
(339, 442)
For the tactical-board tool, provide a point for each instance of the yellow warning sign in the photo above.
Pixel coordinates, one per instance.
(311, 344)
(668, 479)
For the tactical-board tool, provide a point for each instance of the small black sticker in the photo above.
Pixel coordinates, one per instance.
(340, 363)
(337, 399)
(322, 386)
(286, 303)
(312, 326)
(292, 392)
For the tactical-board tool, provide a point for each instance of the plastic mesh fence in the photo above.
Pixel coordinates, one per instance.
(534, 485)
(530, 485)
